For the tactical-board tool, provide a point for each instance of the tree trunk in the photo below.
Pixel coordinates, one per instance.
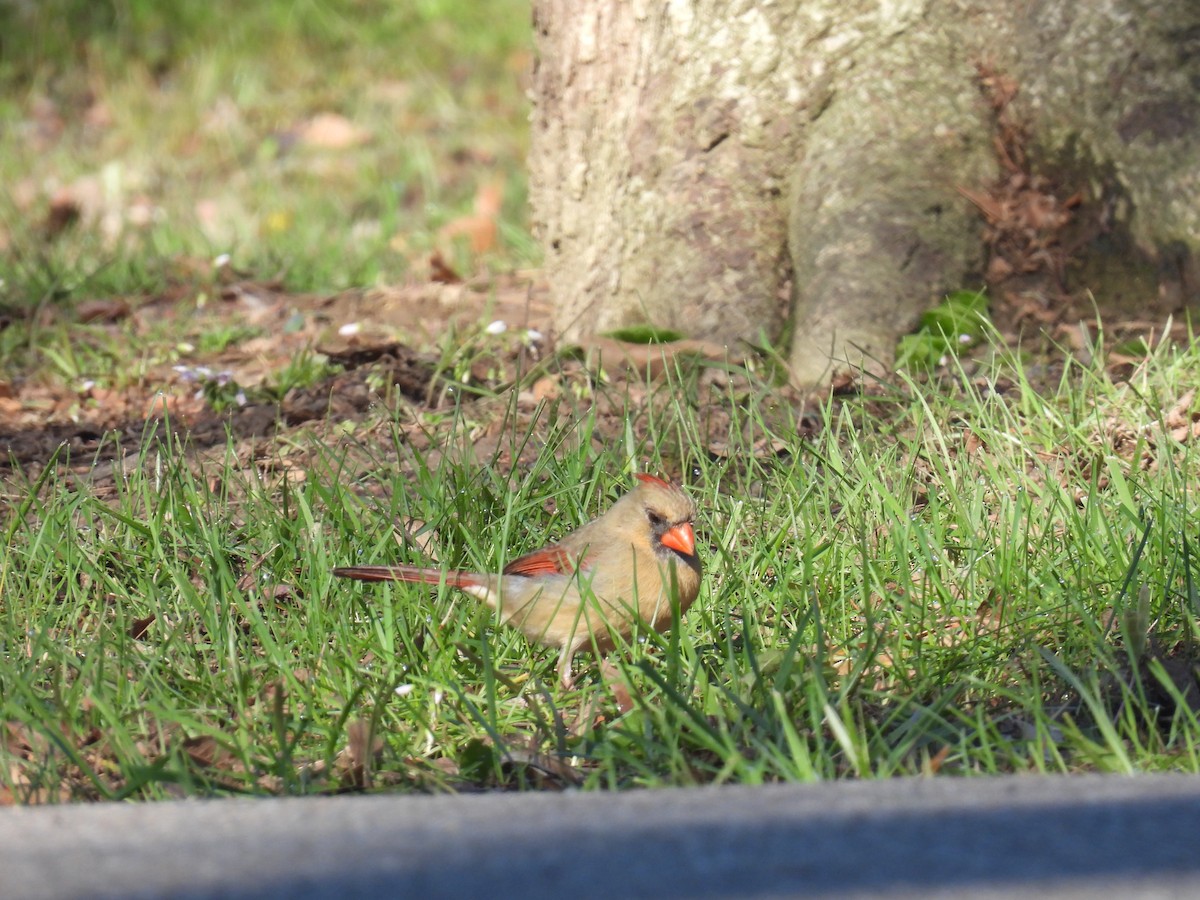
(714, 166)
(661, 163)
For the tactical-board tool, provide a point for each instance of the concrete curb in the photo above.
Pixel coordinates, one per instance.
(1083, 836)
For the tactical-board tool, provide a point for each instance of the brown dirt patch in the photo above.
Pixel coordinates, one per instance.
(357, 334)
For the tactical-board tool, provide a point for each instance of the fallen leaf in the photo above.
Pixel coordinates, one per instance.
(548, 387)
(1186, 432)
(1180, 414)
(544, 763)
(443, 764)
(481, 228)
(441, 271)
(331, 131)
(203, 750)
(138, 627)
(363, 749)
(421, 535)
(934, 765)
(108, 309)
(250, 577)
(64, 212)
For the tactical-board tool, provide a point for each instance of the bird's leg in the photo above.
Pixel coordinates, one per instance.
(564, 667)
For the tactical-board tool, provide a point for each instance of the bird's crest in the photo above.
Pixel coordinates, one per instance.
(653, 479)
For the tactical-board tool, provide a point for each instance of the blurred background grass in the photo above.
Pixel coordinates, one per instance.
(325, 142)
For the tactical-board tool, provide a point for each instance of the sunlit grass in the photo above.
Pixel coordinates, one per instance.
(948, 579)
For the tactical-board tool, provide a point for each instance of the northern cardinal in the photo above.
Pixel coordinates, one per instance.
(593, 584)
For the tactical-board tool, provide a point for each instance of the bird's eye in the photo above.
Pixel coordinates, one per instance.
(657, 522)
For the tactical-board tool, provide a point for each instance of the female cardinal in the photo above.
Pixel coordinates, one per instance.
(625, 566)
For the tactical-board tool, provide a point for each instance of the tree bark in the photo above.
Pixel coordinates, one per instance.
(716, 166)
(661, 162)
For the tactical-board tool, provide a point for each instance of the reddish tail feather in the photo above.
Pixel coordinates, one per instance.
(406, 573)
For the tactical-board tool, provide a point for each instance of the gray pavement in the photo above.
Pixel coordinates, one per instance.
(1035, 837)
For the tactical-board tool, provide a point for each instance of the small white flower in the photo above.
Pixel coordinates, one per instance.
(349, 329)
(497, 327)
(404, 690)
(221, 261)
(964, 339)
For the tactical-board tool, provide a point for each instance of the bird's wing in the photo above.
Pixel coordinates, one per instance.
(552, 560)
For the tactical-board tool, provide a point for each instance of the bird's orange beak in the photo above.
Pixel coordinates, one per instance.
(681, 538)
